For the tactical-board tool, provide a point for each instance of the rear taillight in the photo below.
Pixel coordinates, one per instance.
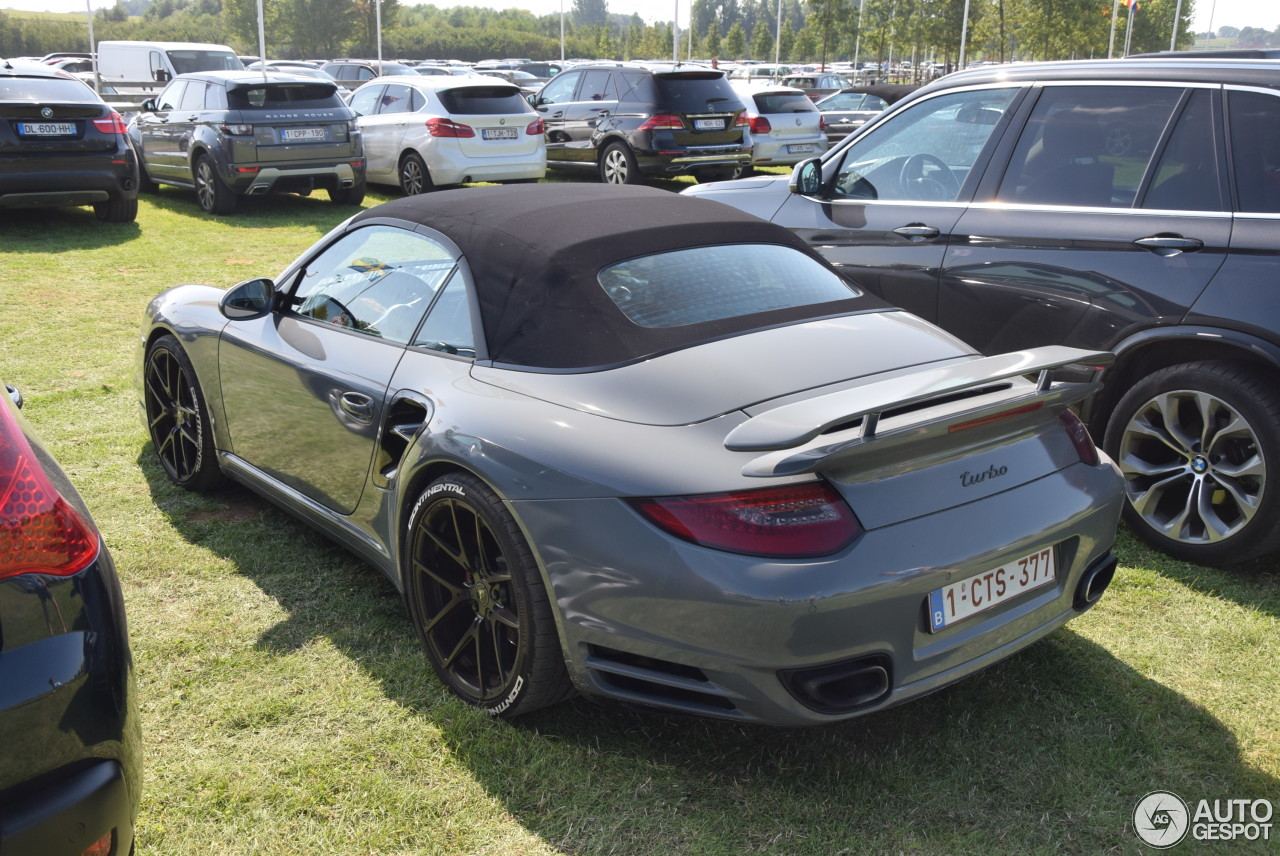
(793, 521)
(113, 124)
(536, 128)
(741, 121)
(40, 532)
(822, 123)
(662, 121)
(449, 128)
(1080, 438)
(760, 125)
(237, 130)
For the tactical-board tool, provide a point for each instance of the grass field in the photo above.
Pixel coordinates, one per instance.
(288, 709)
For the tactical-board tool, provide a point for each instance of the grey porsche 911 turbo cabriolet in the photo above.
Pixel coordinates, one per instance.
(644, 447)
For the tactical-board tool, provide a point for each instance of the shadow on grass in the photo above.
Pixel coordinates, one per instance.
(257, 212)
(53, 230)
(1047, 752)
(1254, 585)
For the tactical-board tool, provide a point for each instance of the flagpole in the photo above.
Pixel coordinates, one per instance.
(1115, 13)
(1128, 30)
(1177, 19)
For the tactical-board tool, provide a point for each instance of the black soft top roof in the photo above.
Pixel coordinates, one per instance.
(534, 252)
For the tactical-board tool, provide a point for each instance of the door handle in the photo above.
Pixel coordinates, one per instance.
(359, 407)
(917, 231)
(1168, 245)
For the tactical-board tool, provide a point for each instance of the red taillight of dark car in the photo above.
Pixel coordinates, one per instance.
(113, 124)
(663, 120)
(792, 521)
(449, 128)
(40, 532)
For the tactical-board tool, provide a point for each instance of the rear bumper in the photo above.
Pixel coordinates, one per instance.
(56, 182)
(293, 177)
(455, 168)
(71, 813)
(684, 628)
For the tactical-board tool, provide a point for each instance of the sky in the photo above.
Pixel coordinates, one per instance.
(1215, 13)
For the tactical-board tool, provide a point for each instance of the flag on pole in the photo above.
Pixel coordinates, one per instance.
(1132, 4)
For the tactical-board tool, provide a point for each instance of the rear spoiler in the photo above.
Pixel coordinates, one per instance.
(793, 425)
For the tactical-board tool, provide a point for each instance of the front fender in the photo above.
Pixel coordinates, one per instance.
(191, 314)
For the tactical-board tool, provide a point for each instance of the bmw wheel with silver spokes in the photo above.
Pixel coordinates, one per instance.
(1194, 443)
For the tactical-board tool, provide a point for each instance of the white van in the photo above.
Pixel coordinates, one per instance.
(160, 62)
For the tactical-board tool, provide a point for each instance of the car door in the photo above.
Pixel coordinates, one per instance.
(595, 104)
(1243, 292)
(311, 385)
(550, 104)
(184, 121)
(385, 129)
(890, 199)
(155, 133)
(1110, 217)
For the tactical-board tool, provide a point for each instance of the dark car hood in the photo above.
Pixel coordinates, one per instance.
(706, 381)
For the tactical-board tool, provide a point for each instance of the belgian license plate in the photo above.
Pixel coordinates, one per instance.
(803, 149)
(958, 601)
(708, 124)
(46, 129)
(499, 133)
(293, 135)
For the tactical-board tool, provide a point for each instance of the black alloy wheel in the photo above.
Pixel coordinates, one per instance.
(478, 602)
(1195, 443)
(177, 418)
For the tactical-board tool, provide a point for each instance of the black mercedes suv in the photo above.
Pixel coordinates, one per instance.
(1129, 205)
(228, 134)
(629, 122)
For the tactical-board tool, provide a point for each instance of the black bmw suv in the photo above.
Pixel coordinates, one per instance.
(62, 145)
(629, 122)
(228, 134)
(1129, 205)
(70, 748)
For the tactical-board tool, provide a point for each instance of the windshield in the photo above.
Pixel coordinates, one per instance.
(186, 61)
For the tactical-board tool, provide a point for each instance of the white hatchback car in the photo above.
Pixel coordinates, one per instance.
(424, 133)
(786, 126)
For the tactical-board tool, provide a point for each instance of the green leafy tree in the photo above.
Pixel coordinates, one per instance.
(735, 43)
(762, 42)
(590, 13)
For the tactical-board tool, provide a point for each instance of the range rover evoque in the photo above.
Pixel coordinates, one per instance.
(228, 134)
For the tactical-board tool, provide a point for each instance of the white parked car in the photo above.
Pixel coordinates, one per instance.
(423, 133)
(786, 126)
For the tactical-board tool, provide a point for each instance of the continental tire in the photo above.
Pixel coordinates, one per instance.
(478, 602)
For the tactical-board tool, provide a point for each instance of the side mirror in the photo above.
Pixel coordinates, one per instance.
(149, 106)
(250, 299)
(806, 178)
(161, 76)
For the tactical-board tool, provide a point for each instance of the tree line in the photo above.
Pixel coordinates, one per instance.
(799, 30)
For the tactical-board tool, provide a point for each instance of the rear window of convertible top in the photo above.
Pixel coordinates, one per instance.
(702, 284)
